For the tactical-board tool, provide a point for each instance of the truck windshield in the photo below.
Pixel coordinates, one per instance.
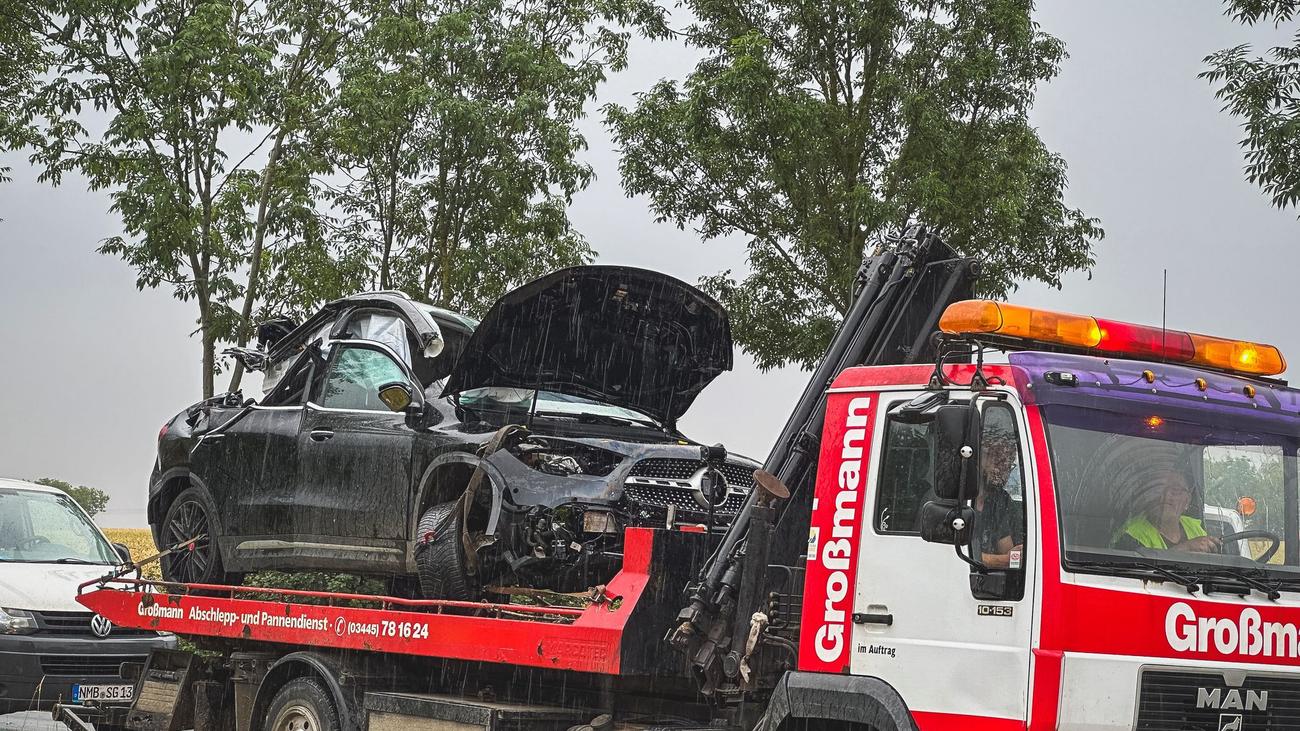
(1142, 490)
(43, 527)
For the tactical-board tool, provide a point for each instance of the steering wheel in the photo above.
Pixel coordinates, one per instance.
(33, 542)
(1246, 534)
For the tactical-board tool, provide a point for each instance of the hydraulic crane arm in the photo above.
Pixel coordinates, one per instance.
(900, 294)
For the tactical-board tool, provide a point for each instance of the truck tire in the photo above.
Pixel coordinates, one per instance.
(302, 704)
(440, 554)
(192, 514)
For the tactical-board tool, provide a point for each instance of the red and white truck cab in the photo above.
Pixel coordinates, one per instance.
(1081, 584)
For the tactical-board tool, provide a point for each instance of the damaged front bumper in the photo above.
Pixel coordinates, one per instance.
(568, 503)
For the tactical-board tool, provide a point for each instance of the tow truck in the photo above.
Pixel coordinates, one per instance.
(886, 572)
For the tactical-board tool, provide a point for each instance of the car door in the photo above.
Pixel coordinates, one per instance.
(354, 475)
(250, 463)
(918, 624)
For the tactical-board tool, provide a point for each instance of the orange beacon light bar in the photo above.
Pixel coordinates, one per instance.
(1082, 332)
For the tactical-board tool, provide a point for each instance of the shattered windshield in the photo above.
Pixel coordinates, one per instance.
(43, 527)
(548, 403)
(1140, 489)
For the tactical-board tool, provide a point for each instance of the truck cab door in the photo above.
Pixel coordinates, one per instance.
(917, 621)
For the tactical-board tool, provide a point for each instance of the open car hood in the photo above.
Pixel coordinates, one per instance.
(627, 337)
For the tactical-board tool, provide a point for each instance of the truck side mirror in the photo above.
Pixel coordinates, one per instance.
(943, 521)
(954, 448)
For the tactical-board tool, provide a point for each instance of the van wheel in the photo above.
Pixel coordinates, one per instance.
(191, 516)
(440, 554)
(302, 705)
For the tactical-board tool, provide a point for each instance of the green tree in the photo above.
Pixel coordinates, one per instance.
(311, 35)
(815, 129)
(91, 500)
(1264, 92)
(457, 140)
(22, 59)
(187, 97)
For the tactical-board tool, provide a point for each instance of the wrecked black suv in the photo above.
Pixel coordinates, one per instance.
(398, 439)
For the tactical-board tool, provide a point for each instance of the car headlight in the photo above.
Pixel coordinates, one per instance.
(17, 622)
(563, 459)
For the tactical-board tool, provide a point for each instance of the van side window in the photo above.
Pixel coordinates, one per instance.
(905, 478)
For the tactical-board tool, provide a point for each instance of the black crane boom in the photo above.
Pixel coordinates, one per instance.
(900, 293)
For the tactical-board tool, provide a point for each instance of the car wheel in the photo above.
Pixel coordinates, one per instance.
(302, 704)
(190, 516)
(440, 554)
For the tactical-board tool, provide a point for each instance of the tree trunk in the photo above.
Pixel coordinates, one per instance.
(255, 266)
(209, 363)
(390, 230)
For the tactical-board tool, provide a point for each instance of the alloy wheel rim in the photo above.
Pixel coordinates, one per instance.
(189, 564)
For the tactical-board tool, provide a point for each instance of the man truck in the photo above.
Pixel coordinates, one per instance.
(1100, 530)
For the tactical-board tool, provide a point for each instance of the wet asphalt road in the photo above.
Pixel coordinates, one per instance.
(30, 721)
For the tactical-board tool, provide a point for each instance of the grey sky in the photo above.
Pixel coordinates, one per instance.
(91, 368)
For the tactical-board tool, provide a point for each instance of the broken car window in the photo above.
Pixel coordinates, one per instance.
(291, 389)
(355, 376)
(277, 368)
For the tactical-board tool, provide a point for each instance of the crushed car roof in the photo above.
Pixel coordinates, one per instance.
(623, 336)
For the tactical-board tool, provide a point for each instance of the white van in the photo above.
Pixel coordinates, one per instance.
(52, 650)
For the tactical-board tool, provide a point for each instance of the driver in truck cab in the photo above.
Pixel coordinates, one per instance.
(999, 526)
(1163, 523)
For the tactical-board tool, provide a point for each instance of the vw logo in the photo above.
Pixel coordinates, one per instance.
(100, 626)
(719, 490)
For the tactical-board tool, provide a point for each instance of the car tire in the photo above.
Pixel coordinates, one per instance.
(302, 704)
(191, 514)
(440, 554)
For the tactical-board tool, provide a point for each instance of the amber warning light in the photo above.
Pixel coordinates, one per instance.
(1082, 332)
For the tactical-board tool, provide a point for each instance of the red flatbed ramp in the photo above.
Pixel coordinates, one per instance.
(586, 640)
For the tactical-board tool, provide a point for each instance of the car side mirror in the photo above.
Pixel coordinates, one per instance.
(397, 396)
(400, 398)
(123, 552)
(954, 448)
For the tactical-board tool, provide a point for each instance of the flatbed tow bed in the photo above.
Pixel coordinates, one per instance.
(342, 637)
(552, 637)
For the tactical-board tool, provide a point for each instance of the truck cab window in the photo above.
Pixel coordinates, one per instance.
(999, 535)
(354, 377)
(905, 478)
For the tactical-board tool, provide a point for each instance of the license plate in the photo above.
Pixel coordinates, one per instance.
(102, 693)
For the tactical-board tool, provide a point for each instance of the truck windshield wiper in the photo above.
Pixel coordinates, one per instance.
(1236, 574)
(1142, 568)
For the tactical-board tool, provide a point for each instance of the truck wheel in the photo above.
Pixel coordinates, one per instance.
(440, 554)
(191, 515)
(302, 704)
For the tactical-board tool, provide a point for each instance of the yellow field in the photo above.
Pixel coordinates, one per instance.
(140, 541)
